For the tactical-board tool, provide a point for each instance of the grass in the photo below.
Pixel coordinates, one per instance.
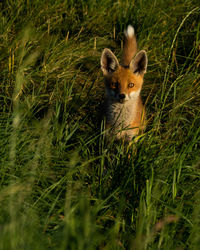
(62, 186)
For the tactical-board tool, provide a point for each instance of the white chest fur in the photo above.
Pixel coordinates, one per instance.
(120, 116)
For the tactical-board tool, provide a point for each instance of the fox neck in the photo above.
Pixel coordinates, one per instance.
(122, 114)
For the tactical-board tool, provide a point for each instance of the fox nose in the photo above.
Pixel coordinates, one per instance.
(122, 96)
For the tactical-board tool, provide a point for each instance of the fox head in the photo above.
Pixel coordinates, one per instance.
(124, 82)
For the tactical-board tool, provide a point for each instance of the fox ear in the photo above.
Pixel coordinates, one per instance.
(109, 62)
(139, 63)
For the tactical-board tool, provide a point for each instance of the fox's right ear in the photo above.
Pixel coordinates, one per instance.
(109, 62)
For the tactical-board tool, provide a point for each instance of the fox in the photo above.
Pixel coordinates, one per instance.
(124, 110)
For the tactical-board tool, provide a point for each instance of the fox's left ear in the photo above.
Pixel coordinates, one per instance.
(139, 63)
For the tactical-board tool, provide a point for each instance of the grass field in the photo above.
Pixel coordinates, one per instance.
(61, 185)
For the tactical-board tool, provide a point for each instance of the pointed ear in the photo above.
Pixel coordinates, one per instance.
(139, 63)
(109, 62)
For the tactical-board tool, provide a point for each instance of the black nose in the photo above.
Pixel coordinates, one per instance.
(121, 96)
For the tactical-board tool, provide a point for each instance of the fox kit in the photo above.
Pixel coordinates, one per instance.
(124, 110)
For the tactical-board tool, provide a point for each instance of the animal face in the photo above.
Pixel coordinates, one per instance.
(123, 85)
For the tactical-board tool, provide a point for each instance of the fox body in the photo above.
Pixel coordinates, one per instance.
(125, 114)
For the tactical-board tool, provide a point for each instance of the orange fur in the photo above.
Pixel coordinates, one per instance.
(130, 49)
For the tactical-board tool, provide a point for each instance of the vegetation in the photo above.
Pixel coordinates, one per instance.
(62, 185)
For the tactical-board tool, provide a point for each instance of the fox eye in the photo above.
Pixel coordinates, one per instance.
(131, 85)
(115, 85)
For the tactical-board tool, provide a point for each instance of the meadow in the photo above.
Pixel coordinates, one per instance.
(62, 185)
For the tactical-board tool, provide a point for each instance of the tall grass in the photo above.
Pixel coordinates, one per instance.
(62, 185)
